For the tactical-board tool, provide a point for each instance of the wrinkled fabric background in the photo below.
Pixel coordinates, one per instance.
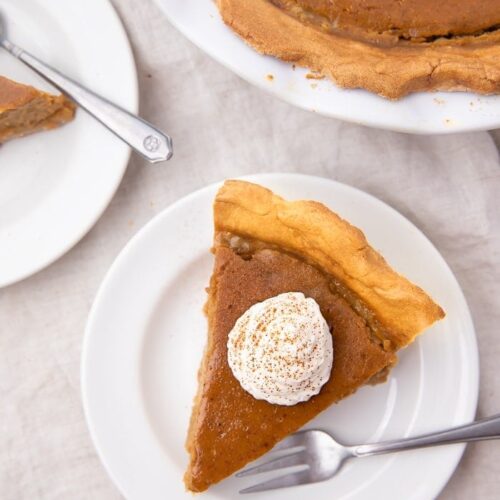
(448, 186)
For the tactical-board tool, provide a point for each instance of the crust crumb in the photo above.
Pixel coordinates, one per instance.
(314, 76)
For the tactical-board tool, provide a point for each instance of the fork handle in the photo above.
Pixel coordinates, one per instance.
(141, 136)
(488, 428)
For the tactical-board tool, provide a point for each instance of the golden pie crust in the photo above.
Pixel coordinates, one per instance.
(25, 110)
(461, 52)
(265, 246)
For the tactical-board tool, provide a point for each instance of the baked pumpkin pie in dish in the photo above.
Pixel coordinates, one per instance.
(24, 110)
(302, 311)
(390, 47)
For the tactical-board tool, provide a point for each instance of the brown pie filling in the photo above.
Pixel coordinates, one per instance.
(247, 248)
(250, 271)
(387, 22)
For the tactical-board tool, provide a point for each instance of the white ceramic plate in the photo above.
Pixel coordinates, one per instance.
(55, 185)
(146, 334)
(423, 113)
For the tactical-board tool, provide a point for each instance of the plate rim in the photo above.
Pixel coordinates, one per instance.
(132, 106)
(157, 220)
(286, 97)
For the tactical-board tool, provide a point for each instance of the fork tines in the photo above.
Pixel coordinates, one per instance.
(295, 459)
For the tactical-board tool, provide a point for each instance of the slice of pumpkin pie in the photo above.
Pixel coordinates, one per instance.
(302, 311)
(24, 110)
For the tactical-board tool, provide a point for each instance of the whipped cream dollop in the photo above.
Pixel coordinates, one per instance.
(281, 349)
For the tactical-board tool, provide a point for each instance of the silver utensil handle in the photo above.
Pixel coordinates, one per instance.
(488, 428)
(147, 140)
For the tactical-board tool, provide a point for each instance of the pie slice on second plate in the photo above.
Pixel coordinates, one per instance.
(265, 246)
(24, 110)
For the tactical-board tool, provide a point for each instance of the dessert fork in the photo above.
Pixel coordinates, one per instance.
(141, 136)
(321, 457)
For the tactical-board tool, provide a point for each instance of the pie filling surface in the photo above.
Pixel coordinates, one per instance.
(391, 47)
(413, 20)
(229, 427)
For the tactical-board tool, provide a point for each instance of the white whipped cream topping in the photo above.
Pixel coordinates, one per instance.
(281, 349)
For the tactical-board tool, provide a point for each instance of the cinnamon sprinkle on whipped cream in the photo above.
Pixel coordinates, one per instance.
(280, 350)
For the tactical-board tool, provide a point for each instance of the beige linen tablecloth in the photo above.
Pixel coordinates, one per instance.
(448, 186)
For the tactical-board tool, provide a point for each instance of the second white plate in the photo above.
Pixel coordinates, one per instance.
(422, 113)
(55, 185)
(146, 333)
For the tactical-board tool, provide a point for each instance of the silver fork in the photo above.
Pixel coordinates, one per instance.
(320, 457)
(141, 136)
